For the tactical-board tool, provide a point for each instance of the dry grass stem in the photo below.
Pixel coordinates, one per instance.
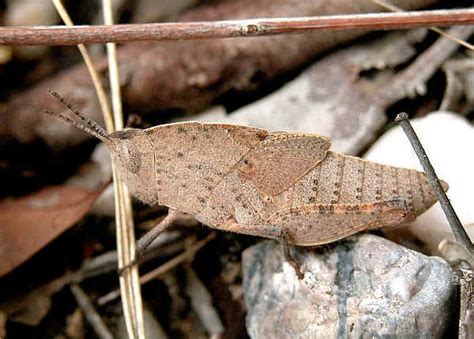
(124, 220)
(99, 88)
(394, 8)
(129, 284)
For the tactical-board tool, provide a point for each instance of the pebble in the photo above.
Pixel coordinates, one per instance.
(362, 287)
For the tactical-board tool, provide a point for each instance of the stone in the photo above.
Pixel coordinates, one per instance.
(447, 138)
(362, 287)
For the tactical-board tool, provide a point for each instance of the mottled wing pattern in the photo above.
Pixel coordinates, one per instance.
(281, 159)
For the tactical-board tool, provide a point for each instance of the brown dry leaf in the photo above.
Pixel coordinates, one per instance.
(29, 223)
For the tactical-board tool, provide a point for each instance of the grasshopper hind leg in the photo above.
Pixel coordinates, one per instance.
(316, 224)
(267, 231)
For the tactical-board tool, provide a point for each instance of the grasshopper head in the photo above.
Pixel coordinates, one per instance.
(134, 156)
(131, 150)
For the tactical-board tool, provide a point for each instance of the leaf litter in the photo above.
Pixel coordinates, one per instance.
(52, 210)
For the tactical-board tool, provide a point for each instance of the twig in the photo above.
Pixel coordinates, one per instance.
(202, 304)
(394, 8)
(57, 35)
(129, 283)
(454, 86)
(107, 262)
(90, 313)
(153, 274)
(411, 81)
(459, 232)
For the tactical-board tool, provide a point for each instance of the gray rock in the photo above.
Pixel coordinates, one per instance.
(363, 287)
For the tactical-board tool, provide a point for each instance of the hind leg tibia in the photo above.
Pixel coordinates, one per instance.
(315, 224)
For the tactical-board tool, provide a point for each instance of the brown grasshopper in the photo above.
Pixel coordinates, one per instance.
(276, 185)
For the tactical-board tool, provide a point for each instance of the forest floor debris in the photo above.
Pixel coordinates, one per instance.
(192, 278)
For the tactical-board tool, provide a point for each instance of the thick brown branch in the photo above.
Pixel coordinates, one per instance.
(59, 35)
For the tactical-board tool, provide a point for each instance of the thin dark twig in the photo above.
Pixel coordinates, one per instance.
(202, 303)
(90, 312)
(59, 35)
(107, 262)
(458, 230)
(170, 264)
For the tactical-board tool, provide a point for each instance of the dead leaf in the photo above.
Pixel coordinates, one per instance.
(29, 223)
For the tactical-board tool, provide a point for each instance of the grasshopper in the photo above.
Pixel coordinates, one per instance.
(278, 185)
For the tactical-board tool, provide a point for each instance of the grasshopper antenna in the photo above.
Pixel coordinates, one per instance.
(79, 125)
(91, 126)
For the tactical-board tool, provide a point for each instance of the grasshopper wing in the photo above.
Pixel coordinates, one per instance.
(277, 162)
